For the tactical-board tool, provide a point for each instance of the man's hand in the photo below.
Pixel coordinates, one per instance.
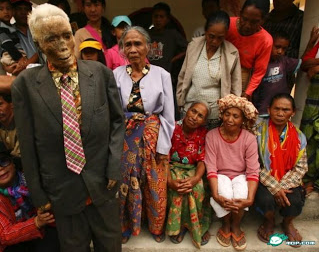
(43, 218)
(111, 184)
(281, 198)
(244, 95)
(10, 68)
(313, 71)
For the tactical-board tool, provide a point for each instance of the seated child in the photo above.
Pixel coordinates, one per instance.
(10, 50)
(279, 71)
(113, 56)
(91, 49)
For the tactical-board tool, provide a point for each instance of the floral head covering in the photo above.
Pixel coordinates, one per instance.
(249, 110)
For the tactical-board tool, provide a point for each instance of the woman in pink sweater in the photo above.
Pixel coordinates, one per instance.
(232, 165)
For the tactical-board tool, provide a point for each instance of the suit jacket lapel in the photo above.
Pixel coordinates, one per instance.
(49, 94)
(87, 85)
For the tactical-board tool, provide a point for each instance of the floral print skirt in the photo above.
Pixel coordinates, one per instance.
(144, 183)
(192, 210)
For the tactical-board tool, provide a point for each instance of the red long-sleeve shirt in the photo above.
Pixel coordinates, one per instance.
(254, 52)
(11, 231)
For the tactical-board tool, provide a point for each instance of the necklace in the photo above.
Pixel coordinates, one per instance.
(217, 74)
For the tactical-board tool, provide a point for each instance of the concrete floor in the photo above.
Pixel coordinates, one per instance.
(307, 224)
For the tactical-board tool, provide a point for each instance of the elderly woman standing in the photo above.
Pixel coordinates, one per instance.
(233, 178)
(211, 68)
(282, 150)
(147, 100)
(186, 195)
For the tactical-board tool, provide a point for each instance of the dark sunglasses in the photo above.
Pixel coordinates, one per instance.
(5, 161)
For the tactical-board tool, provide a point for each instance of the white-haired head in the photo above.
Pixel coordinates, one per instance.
(42, 14)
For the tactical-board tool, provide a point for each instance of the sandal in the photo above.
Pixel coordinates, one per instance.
(292, 234)
(125, 239)
(237, 239)
(224, 236)
(159, 238)
(268, 232)
(205, 241)
(174, 238)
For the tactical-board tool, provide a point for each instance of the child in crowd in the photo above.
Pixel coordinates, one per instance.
(91, 49)
(280, 70)
(167, 45)
(113, 56)
(10, 51)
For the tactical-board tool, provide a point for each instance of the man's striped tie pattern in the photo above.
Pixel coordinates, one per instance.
(74, 154)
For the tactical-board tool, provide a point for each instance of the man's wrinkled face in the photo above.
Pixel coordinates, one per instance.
(57, 43)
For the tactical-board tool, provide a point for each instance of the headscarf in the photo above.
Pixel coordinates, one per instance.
(19, 194)
(248, 109)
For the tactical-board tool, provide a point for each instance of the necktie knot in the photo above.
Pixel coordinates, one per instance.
(65, 79)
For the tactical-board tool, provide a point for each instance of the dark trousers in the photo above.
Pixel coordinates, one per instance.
(265, 201)
(101, 224)
(49, 243)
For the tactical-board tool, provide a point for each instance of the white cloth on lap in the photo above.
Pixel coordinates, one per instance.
(237, 188)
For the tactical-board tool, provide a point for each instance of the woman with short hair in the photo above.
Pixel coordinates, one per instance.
(147, 100)
(211, 69)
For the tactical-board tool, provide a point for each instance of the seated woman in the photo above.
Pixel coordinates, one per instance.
(186, 194)
(20, 223)
(232, 167)
(282, 151)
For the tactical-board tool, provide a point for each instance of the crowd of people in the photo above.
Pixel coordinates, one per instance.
(92, 147)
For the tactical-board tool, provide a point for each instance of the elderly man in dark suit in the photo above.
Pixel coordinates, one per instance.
(70, 127)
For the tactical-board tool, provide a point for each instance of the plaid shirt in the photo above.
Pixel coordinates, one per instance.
(292, 179)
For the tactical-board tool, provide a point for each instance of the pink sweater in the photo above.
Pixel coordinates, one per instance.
(254, 52)
(114, 59)
(232, 158)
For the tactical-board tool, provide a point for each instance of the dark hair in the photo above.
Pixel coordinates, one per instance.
(6, 97)
(162, 6)
(216, 18)
(281, 34)
(8, 1)
(100, 54)
(96, 1)
(65, 3)
(107, 38)
(283, 95)
(206, 1)
(262, 5)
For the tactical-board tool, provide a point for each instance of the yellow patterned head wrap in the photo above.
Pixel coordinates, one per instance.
(249, 110)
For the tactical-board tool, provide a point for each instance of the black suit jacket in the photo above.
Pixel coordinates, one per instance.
(38, 117)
